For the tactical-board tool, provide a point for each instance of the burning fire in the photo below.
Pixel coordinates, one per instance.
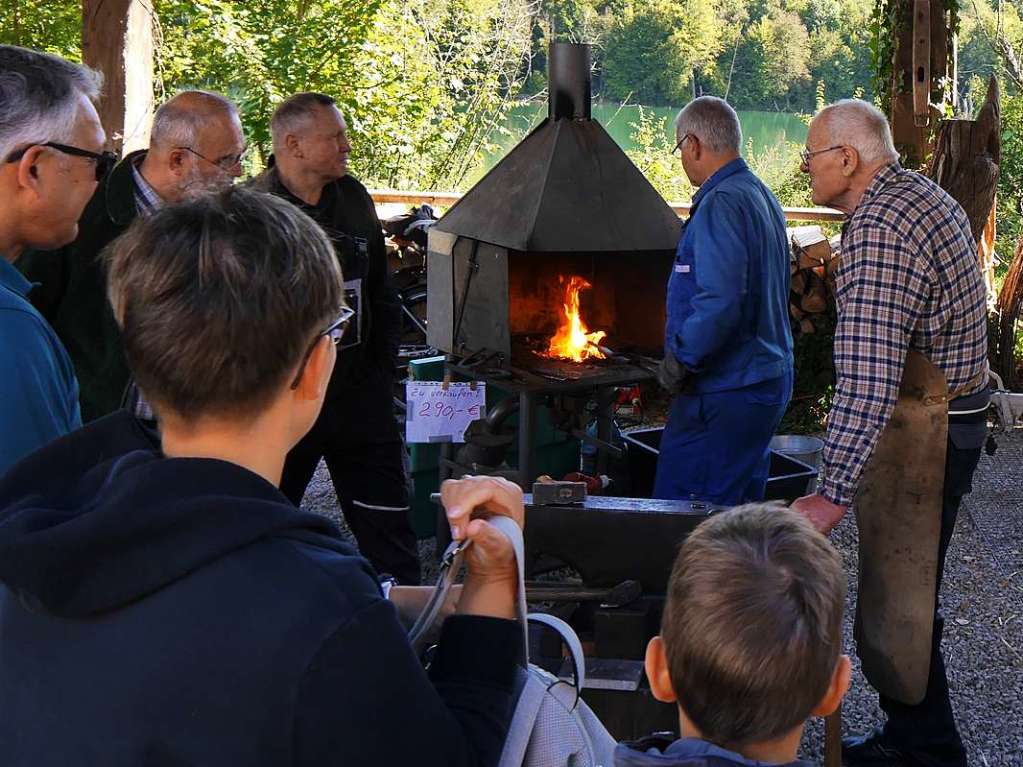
(573, 341)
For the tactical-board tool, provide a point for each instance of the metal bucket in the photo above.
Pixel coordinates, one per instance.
(802, 448)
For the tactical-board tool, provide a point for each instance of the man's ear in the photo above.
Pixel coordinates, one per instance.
(294, 146)
(695, 147)
(28, 169)
(316, 374)
(836, 689)
(176, 160)
(850, 160)
(656, 664)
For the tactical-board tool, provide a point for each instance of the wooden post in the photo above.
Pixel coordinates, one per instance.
(117, 39)
(921, 62)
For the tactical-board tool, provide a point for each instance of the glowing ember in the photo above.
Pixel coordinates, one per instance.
(573, 341)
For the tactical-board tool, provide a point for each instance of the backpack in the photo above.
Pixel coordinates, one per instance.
(551, 725)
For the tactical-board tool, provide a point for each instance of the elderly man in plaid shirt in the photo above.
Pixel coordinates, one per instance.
(909, 283)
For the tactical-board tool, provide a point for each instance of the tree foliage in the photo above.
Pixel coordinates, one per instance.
(655, 46)
(54, 26)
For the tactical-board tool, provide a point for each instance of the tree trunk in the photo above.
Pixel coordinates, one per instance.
(117, 40)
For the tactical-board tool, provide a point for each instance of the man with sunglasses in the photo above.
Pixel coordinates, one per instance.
(51, 154)
(907, 421)
(196, 145)
(728, 347)
(356, 433)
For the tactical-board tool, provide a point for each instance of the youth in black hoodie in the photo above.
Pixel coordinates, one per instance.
(158, 611)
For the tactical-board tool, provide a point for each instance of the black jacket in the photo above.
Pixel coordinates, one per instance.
(369, 349)
(158, 611)
(72, 294)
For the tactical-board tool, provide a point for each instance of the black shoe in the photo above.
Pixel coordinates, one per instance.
(869, 751)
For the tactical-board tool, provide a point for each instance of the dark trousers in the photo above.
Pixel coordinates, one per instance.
(927, 731)
(368, 469)
(715, 445)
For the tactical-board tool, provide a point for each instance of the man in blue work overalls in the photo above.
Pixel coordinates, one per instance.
(728, 346)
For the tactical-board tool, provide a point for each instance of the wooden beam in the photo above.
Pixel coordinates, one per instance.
(447, 199)
(117, 40)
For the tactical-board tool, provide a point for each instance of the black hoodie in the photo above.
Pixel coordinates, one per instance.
(158, 611)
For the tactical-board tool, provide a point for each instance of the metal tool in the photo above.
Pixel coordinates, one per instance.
(547, 492)
(624, 593)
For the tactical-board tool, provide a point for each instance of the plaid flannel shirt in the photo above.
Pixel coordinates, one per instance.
(147, 201)
(909, 278)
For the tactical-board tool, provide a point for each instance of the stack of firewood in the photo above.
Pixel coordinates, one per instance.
(812, 297)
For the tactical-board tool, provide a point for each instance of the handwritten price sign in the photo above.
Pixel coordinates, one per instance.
(436, 413)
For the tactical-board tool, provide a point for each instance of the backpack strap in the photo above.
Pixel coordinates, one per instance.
(520, 729)
(571, 641)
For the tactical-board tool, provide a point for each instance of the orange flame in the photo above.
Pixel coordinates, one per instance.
(573, 341)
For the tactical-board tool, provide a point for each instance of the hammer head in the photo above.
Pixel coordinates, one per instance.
(558, 493)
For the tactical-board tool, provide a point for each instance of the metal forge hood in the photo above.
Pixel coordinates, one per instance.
(567, 187)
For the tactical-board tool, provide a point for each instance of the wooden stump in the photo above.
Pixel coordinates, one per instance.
(966, 159)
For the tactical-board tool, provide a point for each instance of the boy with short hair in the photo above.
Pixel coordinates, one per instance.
(750, 643)
(168, 605)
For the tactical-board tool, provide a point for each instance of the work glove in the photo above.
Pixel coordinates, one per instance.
(672, 375)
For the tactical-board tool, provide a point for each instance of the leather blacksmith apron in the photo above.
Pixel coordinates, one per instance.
(898, 512)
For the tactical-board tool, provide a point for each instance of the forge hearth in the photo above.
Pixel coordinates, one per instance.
(566, 202)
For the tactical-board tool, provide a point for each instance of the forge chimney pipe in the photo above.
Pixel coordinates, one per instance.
(568, 81)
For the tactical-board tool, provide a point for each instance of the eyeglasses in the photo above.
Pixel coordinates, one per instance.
(226, 163)
(335, 331)
(806, 154)
(105, 161)
(678, 146)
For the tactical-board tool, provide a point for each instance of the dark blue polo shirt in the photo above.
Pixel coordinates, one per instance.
(38, 389)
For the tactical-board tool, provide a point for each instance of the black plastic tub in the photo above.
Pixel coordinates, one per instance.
(787, 480)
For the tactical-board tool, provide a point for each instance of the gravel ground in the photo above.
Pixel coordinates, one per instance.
(983, 605)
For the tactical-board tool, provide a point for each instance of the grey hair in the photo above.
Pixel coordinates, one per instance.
(39, 97)
(293, 113)
(862, 126)
(712, 121)
(179, 119)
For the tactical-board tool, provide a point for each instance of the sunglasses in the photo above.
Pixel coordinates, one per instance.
(678, 146)
(335, 332)
(105, 161)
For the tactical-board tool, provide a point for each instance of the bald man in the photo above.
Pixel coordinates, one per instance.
(196, 145)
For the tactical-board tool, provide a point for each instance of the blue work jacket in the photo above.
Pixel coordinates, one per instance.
(38, 389)
(727, 314)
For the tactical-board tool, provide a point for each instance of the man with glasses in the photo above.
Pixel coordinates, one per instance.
(911, 344)
(196, 145)
(728, 347)
(51, 156)
(356, 432)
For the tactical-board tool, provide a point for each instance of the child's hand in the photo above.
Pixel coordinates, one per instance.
(492, 581)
